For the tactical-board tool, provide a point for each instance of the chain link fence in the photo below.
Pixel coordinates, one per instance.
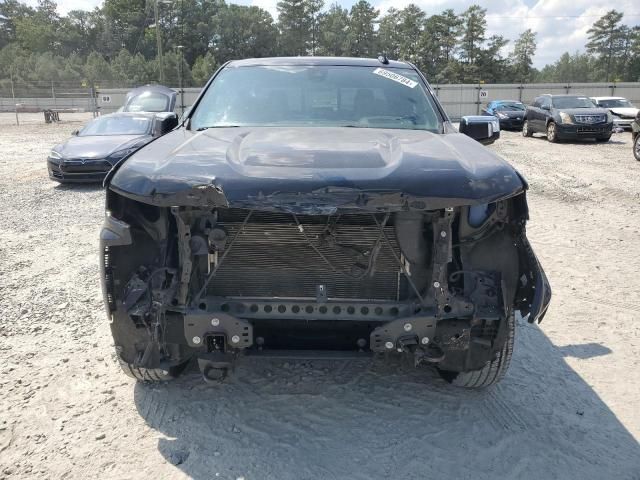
(40, 96)
(458, 99)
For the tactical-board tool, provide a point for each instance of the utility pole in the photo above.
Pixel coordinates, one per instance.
(53, 95)
(158, 40)
(180, 77)
(13, 95)
(181, 48)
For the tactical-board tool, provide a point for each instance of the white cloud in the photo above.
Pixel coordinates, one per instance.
(268, 5)
(65, 6)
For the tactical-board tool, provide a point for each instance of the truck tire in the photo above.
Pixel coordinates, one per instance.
(151, 375)
(636, 147)
(526, 131)
(492, 372)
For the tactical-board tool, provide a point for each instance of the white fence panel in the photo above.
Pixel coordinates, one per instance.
(457, 99)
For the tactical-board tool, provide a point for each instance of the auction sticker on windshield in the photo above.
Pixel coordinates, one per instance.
(395, 77)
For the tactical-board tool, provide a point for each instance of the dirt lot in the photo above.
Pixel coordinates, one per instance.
(569, 407)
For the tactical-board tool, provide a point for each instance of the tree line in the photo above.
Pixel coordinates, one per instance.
(117, 43)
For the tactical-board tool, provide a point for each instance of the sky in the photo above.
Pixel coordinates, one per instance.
(561, 25)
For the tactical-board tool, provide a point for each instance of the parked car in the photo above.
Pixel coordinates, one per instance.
(318, 207)
(567, 117)
(635, 135)
(150, 98)
(622, 110)
(92, 151)
(510, 113)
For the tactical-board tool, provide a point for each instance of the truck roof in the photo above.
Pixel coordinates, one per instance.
(317, 61)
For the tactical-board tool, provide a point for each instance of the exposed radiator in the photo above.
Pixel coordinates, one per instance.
(272, 257)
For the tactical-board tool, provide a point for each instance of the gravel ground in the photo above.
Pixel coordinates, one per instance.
(567, 409)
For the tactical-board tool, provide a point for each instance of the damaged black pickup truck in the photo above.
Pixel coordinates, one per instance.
(318, 208)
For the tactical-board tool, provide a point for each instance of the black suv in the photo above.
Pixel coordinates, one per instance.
(567, 117)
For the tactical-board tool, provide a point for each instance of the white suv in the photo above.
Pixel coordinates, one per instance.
(622, 110)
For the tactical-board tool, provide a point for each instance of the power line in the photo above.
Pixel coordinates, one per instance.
(553, 16)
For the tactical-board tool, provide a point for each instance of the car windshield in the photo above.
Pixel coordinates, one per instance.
(615, 103)
(148, 102)
(317, 96)
(572, 102)
(120, 125)
(510, 107)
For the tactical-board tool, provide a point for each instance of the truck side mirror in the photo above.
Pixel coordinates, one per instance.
(164, 123)
(482, 128)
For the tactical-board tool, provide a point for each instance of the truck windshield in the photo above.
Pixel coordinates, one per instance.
(317, 96)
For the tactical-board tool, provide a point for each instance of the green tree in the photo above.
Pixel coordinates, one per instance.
(174, 65)
(439, 43)
(294, 24)
(313, 8)
(472, 39)
(243, 32)
(78, 32)
(130, 69)
(578, 67)
(334, 28)
(521, 58)
(605, 39)
(473, 29)
(188, 23)
(203, 68)
(632, 73)
(389, 33)
(11, 12)
(492, 66)
(410, 28)
(442, 32)
(124, 25)
(36, 31)
(97, 70)
(362, 35)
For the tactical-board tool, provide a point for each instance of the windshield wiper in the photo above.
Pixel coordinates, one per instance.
(200, 129)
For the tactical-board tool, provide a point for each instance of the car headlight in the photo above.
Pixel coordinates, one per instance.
(122, 153)
(566, 118)
(54, 154)
(609, 117)
(478, 214)
(501, 115)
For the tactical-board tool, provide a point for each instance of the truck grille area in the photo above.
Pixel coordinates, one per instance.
(325, 256)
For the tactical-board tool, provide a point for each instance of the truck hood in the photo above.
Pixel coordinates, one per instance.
(315, 170)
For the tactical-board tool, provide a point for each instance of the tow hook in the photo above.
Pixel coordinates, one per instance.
(422, 351)
(432, 353)
(404, 334)
(215, 366)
